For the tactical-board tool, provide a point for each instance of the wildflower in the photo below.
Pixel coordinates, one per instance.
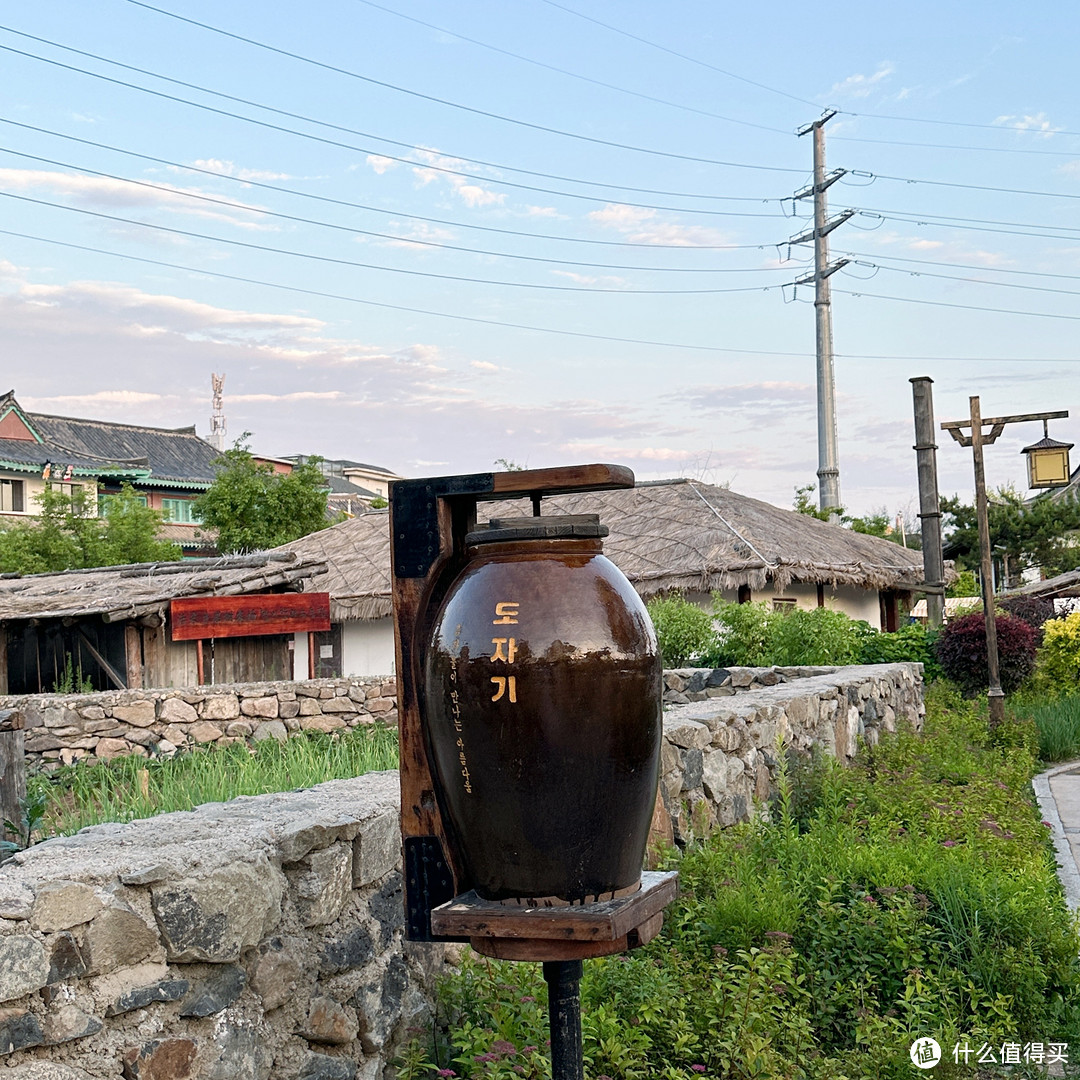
(948, 843)
(698, 1068)
(529, 1049)
(1048, 825)
(445, 1072)
(502, 1047)
(482, 1058)
(527, 999)
(777, 935)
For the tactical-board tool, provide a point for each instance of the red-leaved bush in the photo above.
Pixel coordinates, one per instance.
(961, 651)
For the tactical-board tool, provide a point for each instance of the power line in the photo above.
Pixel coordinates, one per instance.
(394, 307)
(971, 281)
(427, 97)
(372, 266)
(681, 56)
(571, 74)
(962, 307)
(376, 209)
(412, 162)
(967, 187)
(955, 123)
(957, 224)
(353, 231)
(960, 266)
(950, 146)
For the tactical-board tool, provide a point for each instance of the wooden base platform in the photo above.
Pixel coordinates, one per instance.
(559, 933)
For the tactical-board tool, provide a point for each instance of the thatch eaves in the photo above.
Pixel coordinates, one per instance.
(119, 593)
(677, 535)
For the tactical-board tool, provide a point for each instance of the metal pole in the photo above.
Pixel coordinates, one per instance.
(828, 468)
(563, 978)
(929, 503)
(994, 692)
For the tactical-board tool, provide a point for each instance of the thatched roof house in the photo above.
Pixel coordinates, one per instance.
(112, 622)
(672, 536)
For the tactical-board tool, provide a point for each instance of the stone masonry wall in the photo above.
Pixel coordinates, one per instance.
(261, 939)
(723, 729)
(100, 726)
(255, 939)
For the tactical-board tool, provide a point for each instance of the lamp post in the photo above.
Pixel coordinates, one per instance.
(977, 440)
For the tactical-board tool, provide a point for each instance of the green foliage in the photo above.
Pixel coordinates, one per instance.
(1036, 533)
(744, 634)
(1058, 724)
(31, 815)
(911, 643)
(877, 523)
(684, 630)
(378, 503)
(965, 584)
(804, 504)
(816, 636)
(961, 651)
(1059, 654)
(253, 508)
(73, 681)
(80, 795)
(912, 893)
(68, 534)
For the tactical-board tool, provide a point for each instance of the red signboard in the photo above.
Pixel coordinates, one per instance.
(197, 617)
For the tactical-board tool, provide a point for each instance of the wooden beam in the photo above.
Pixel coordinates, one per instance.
(133, 661)
(200, 671)
(12, 779)
(109, 670)
(194, 617)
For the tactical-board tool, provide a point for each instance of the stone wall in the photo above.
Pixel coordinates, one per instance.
(70, 727)
(722, 729)
(255, 939)
(261, 939)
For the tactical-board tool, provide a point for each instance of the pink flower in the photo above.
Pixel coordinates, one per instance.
(501, 1047)
(528, 1049)
(445, 1072)
(948, 843)
(698, 1068)
(1048, 825)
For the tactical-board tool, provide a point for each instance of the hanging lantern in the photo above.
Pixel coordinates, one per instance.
(1048, 462)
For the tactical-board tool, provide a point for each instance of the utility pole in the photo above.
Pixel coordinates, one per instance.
(217, 419)
(929, 503)
(828, 464)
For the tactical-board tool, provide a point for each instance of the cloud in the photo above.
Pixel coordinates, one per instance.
(641, 226)
(483, 365)
(862, 86)
(229, 168)
(418, 235)
(599, 280)
(751, 402)
(103, 193)
(380, 164)
(296, 395)
(473, 194)
(542, 211)
(106, 398)
(1037, 123)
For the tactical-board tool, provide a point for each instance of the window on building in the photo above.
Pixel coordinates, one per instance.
(12, 496)
(786, 604)
(104, 497)
(179, 511)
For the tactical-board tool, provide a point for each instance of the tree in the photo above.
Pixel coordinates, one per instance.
(804, 504)
(68, 534)
(254, 508)
(1039, 532)
(877, 523)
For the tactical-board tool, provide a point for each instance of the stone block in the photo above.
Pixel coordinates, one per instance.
(117, 938)
(692, 765)
(276, 971)
(675, 697)
(340, 705)
(388, 689)
(107, 749)
(288, 709)
(65, 959)
(214, 992)
(718, 677)
(55, 717)
(138, 713)
(271, 729)
(19, 1029)
(204, 732)
(323, 884)
(162, 1059)
(264, 707)
(380, 706)
(24, 967)
(220, 707)
(175, 710)
(355, 950)
(322, 723)
(310, 707)
(387, 908)
(358, 694)
(330, 1022)
(741, 678)
(215, 918)
(92, 712)
(60, 905)
(324, 1067)
(141, 996)
(727, 739)
(674, 680)
(238, 729)
(36, 744)
(145, 738)
(176, 734)
(16, 899)
(377, 848)
(45, 1070)
(68, 1022)
(689, 734)
(719, 774)
(379, 1005)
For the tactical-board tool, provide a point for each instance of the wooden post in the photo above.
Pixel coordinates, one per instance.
(12, 771)
(199, 670)
(929, 502)
(310, 655)
(994, 692)
(3, 660)
(133, 662)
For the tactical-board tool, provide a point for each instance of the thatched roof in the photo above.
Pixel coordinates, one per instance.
(356, 554)
(673, 535)
(130, 592)
(1067, 584)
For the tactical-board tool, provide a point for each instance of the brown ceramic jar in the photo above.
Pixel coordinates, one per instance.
(543, 713)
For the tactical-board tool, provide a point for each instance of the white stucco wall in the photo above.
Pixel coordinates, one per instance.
(857, 603)
(367, 647)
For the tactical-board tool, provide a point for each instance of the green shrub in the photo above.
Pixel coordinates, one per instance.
(684, 630)
(743, 634)
(1058, 726)
(913, 643)
(961, 651)
(819, 636)
(1059, 655)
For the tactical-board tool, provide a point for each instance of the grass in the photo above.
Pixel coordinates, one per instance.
(911, 894)
(1058, 725)
(133, 787)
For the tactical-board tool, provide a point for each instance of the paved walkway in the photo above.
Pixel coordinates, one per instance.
(1058, 792)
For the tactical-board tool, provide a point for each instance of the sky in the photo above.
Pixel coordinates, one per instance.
(430, 236)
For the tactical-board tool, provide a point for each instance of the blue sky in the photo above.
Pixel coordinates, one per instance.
(435, 284)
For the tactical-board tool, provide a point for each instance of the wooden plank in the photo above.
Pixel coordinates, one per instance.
(133, 655)
(560, 481)
(114, 675)
(195, 617)
(3, 659)
(610, 920)
(200, 664)
(12, 778)
(540, 949)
